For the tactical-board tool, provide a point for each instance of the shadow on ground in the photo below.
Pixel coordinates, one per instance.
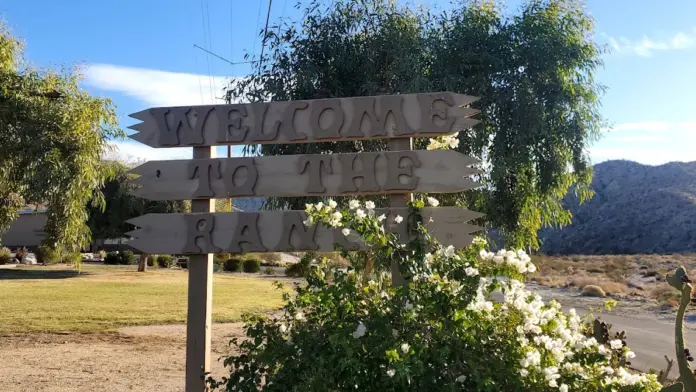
(15, 274)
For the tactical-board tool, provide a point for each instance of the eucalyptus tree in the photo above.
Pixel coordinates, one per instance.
(52, 135)
(534, 70)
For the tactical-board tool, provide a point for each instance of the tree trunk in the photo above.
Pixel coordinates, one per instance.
(142, 264)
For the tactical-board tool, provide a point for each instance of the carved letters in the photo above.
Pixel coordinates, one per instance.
(349, 173)
(204, 171)
(298, 121)
(246, 231)
(200, 227)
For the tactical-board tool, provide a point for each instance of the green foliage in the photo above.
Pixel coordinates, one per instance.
(152, 261)
(74, 258)
(301, 268)
(112, 258)
(119, 206)
(268, 271)
(53, 135)
(439, 332)
(251, 265)
(127, 258)
(165, 261)
(220, 258)
(533, 70)
(270, 259)
(47, 255)
(234, 264)
(5, 256)
(123, 258)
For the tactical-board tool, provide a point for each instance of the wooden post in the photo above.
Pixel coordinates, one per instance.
(399, 200)
(200, 301)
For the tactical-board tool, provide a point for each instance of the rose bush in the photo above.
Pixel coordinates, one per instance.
(351, 330)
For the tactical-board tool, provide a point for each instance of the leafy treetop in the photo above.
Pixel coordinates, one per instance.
(533, 70)
(53, 135)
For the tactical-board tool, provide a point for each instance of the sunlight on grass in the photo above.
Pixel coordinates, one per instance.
(102, 298)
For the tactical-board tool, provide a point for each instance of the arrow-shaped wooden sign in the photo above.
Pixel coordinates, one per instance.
(284, 122)
(280, 231)
(306, 175)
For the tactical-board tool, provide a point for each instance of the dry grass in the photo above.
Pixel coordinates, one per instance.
(52, 299)
(634, 274)
(666, 294)
(593, 291)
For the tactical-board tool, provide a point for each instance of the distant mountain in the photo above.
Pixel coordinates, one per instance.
(636, 209)
(249, 204)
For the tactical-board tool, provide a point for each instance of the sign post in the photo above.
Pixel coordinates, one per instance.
(397, 172)
(200, 300)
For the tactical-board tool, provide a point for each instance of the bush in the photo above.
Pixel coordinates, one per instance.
(268, 271)
(72, 258)
(234, 264)
(102, 255)
(5, 256)
(127, 258)
(165, 261)
(270, 259)
(302, 268)
(152, 261)
(441, 332)
(112, 258)
(251, 265)
(593, 291)
(220, 258)
(47, 255)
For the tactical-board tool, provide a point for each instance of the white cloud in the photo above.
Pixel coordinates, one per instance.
(645, 46)
(129, 151)
(155, 87)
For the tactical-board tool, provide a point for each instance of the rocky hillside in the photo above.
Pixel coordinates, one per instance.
(636, 209)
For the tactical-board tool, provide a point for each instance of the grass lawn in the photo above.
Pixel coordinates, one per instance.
(53, 299)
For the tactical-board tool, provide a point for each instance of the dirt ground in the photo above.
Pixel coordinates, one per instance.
(148, 358)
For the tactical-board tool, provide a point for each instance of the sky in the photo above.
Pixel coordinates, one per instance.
(141, 54)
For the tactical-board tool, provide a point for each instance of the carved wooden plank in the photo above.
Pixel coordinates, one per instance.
(284, 122)
(276, 231)
(302, 175)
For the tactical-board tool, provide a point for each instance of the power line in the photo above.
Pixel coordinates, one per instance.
(224, 59)
(265, 30)
(258, 18)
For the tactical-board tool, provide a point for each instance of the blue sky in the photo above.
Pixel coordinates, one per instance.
(141, 54)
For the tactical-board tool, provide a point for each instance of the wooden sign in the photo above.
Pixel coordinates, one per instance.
(280, 231)
(303, 175)
(284, 122)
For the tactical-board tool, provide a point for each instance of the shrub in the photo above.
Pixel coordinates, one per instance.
(269, 271)
(165, 261)
(124, 258)
(441, 332)
(102, 254)
(152, 261)
(221, 257)
(72, 258)
(234, 264)
(301, 269)
(593, 291)
(269, 259)
(127, 258)
(5, 256)
(112, 258)
(47, 255)
(666, 295)
(614, 287)
(251, 265)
